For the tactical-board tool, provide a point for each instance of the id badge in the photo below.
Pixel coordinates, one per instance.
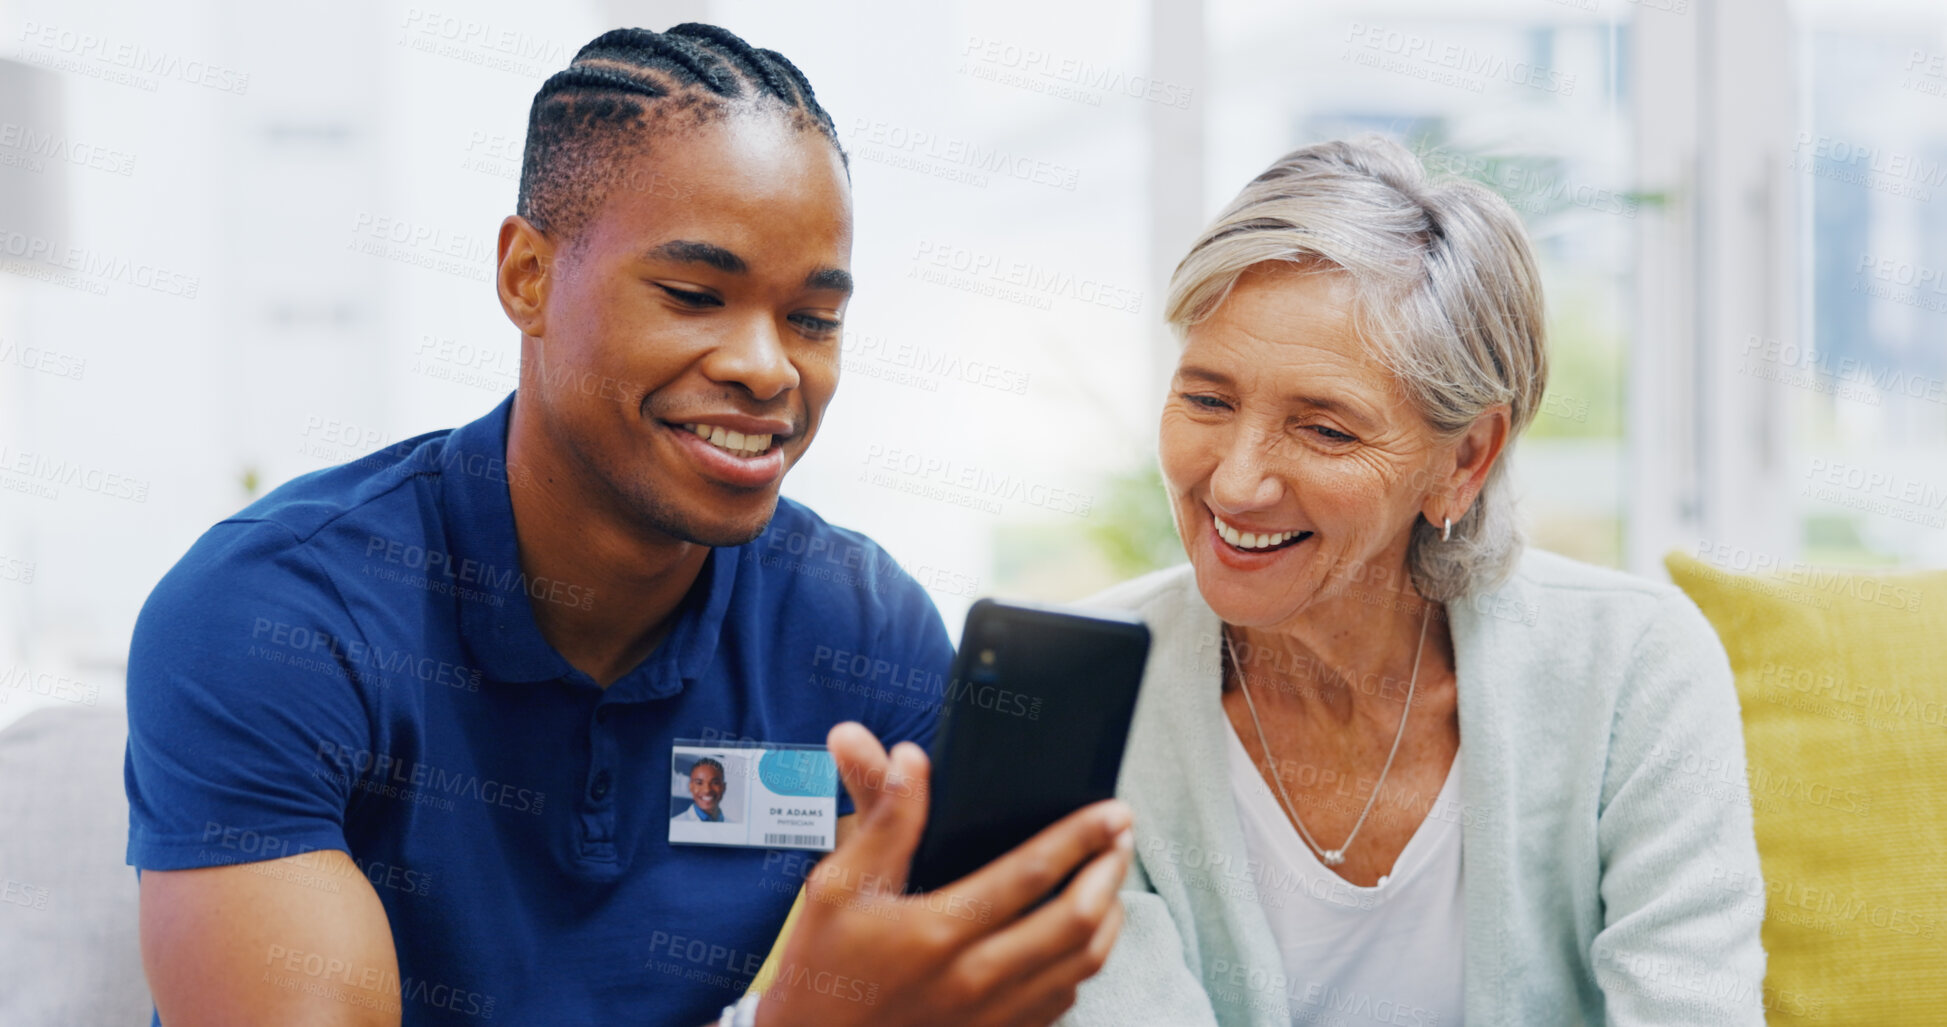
(759, 796)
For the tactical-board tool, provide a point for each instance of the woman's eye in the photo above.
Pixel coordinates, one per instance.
(690, 298)
(814, 324)
(1206, 402)
(1332, 434)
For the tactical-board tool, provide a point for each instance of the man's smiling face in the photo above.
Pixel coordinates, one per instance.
(691, 327)
(706, 788)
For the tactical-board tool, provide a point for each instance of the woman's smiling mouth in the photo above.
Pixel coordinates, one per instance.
(1256, 542)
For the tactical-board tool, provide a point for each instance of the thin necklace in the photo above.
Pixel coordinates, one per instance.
(1330, 857)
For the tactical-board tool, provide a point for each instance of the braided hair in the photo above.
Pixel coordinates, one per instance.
(589, 118)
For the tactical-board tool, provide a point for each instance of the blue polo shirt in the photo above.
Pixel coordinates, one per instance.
(352, 663)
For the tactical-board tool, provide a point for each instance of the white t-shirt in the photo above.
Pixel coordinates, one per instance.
(1389, 954)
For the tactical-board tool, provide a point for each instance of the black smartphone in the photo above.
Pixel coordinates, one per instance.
(1031, 728)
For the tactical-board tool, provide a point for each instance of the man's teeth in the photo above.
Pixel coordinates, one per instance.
(1247, 540)
(731, 441)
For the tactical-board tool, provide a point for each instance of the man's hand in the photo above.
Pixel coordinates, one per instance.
(864, 952)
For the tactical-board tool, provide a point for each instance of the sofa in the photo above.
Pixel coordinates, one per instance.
(68, 948)
(1841, 675)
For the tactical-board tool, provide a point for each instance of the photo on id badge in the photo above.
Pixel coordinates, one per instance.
(707, 792)
(765, 795)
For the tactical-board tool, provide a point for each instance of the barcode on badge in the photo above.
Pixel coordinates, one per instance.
(816, 841)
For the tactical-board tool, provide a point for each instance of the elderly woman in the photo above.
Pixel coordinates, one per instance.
(1390, 767)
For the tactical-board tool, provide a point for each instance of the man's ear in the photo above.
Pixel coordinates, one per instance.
(525, 274)
(1473, 457)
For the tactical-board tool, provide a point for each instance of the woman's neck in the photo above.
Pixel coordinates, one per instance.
(1348, 654)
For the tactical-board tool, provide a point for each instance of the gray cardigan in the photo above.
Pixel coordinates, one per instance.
(1607, 853)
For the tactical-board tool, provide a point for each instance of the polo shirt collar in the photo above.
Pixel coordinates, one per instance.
(497, 621)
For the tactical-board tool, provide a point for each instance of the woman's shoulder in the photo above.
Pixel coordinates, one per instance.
(1563, 589)
(1554, 572)
(1554, 603)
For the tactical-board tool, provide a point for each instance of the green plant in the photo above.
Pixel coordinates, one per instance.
(1131, 526)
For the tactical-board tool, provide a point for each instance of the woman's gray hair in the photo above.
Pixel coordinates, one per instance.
(1447, 295)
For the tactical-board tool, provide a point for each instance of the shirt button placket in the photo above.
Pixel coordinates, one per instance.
(598, 811)
(601, 748)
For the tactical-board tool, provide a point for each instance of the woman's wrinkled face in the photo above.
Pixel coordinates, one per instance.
(1295, 464)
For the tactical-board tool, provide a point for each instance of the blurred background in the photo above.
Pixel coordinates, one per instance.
(240, 242)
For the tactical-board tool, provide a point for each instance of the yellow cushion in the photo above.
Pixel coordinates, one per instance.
(1842, 676)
